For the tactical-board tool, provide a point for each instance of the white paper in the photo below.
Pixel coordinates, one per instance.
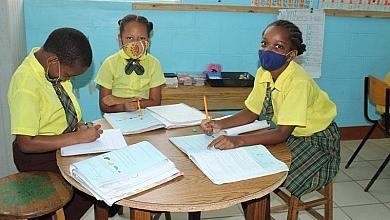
(256, 125)
(178, 113)
(110, 139)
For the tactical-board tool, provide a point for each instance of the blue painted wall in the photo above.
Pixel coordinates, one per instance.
(187, 41)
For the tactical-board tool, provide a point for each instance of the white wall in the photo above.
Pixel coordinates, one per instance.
(12, 53)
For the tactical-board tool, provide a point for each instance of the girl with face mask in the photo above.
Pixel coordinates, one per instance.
(131, 75)
(298, 111)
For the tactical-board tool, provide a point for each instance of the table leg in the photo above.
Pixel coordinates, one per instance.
(101, 210)
(258, 209)
(139, 214)
(194, 216)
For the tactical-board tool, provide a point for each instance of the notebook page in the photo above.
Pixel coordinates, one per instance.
(110, 139)
(133, 122)
(178, 113)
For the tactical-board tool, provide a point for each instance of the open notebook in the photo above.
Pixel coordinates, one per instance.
(110, 139)
(124, 172)
(226, 166)
(155, 117)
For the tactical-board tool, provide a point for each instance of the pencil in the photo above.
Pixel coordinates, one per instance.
(205, 107)
(139, 108)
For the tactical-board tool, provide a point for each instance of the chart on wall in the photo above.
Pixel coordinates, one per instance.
(311, 23)
(283, 3)
(358, 5)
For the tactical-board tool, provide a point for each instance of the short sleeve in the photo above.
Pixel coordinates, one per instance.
(105, 75)
(157, 78)
(24, 122)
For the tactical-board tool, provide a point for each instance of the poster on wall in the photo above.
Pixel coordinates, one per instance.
(356, 5)
(311, 23)
(283, 3)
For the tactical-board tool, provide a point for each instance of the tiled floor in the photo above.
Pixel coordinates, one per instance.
(350, 200)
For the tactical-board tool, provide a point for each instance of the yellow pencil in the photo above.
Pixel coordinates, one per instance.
(205, 107)
(139, 108)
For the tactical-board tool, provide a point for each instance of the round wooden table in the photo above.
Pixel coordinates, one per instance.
(192, 192)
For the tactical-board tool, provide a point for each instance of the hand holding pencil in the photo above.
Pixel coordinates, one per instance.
(209, 126)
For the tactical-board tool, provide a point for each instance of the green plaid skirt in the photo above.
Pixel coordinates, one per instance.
(315, 160)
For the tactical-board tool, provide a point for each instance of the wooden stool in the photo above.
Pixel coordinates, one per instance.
(295, 204)
(33, 194)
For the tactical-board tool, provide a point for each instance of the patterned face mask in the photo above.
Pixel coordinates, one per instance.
(136, 49)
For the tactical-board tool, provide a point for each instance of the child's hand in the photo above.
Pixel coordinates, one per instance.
(111, 100)
(130, 106)
(84, 125)
(226, 142)
(210, 127)
(87, 135)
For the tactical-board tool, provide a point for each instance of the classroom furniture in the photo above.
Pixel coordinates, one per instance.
(219, 98)
(33, 194)
(377, 92)
(295, 204)
(193, 192)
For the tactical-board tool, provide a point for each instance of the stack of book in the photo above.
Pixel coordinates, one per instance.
(124, 172)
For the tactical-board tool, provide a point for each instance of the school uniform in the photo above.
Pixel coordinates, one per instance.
(315, 142)
(35, 109)
(112, 76)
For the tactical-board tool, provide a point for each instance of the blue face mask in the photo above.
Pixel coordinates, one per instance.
(271, 60)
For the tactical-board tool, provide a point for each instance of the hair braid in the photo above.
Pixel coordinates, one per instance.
(295, 34)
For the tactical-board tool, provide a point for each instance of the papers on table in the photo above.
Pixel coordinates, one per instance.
(155, 117)
(225, 166)
(110, 139)
(124, 172)
(256, 125)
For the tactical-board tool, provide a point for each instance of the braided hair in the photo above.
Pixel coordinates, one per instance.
(130, 18)
(295, 35)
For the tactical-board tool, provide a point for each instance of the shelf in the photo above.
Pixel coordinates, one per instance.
(251, 9)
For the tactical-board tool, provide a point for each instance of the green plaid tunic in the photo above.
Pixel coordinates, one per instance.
(315, 160)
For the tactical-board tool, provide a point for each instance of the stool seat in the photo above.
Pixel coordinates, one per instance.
(33, 194)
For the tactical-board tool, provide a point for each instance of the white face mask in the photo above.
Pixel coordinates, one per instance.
(56, 80)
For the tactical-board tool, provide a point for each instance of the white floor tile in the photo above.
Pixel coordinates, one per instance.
(346, 153)
(380, 189)
(226, 218)
(342, 177)
(361, 170)
(338, 214)
(377, 164)
(370, 151)
(371, 212)
(231, 211)
(351, 193)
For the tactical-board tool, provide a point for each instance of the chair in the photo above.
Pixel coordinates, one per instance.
(378, 92)
(295, 204)
(33, 194)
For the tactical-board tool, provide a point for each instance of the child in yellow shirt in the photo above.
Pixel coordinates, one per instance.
(131, 75)
(299, 112)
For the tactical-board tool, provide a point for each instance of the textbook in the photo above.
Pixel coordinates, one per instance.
(226, 166)
(110, 139)
(155, 117)
(121, 173)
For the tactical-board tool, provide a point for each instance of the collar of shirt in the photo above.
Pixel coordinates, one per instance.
(266, 76)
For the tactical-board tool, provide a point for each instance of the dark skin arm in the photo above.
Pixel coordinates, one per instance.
(265, 137)
(118, 104)
(43, 143)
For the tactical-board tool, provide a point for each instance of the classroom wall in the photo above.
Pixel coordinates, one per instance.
(189, 40)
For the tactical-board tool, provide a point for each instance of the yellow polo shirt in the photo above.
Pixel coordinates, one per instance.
(112, 76)
(296, 98)
(34, 105)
